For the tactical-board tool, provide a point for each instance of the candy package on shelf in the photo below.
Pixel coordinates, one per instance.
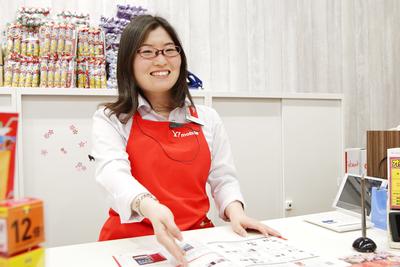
(57, 72)
(128, 12)
(22, 39)
(57, 38)
(21, 71)
(32, 16)
(91, 73)
(73, 18)
(1, 67)
(91, 63)
(113, 28)
(90, 42)
(64, 51)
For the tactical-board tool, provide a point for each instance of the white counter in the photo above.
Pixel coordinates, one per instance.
(303, 235)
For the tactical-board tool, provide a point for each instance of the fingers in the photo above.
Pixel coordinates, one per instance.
(166, 231)
(240, 227)
(265, 230)
(173, 230)
(167, 240)
(272, 231)
(237, 228)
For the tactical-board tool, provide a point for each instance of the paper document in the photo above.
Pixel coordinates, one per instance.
(260, 251)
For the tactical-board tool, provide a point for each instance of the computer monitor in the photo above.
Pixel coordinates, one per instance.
(348, 197)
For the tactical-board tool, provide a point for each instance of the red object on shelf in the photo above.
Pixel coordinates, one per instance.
(8, 141)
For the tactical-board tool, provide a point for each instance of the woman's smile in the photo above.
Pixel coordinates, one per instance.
(160, 73)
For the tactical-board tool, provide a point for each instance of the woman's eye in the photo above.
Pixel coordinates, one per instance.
(170, 49)
(147, 52)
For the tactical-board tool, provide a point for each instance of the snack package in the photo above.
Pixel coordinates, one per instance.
(1, 67)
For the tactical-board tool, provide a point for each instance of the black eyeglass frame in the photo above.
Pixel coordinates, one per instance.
(155, 52)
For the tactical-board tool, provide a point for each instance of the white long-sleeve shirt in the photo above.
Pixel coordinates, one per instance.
(113, 168)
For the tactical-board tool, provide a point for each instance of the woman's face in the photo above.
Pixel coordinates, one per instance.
(156, 75)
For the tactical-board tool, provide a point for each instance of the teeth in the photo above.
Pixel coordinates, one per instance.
(160, 73)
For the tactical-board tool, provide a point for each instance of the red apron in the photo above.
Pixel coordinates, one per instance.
(173, 162)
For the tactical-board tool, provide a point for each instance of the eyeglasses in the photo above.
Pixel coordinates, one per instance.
(149, 52)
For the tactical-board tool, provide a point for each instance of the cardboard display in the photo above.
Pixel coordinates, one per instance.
(21, 225)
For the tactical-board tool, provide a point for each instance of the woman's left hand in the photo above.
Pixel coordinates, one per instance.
(240, 221)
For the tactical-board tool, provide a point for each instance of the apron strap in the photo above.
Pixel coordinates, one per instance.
(193, 111)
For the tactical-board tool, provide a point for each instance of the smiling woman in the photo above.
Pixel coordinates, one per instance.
(155, 150)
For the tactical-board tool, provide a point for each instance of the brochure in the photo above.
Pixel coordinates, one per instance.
(260, 251)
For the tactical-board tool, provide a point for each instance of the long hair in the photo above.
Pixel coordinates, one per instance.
(132, 38)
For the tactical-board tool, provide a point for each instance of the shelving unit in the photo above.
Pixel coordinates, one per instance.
(8, 99)
(65, 91)
(283, 145)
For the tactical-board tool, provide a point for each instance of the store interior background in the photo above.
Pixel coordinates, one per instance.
(349, 47)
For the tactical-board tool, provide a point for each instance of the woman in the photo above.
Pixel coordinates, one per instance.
(155, 150)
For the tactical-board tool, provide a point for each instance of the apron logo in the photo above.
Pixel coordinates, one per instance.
(178, 134)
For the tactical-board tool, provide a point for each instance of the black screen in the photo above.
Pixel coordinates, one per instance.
(350, 198)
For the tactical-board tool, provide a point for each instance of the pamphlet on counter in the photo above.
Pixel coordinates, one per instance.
(265, 251)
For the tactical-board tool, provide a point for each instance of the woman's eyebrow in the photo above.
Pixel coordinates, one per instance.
(169, 43)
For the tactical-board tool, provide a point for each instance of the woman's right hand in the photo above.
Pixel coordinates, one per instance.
(164, 227)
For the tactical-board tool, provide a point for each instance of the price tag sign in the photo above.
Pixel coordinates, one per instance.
(394, 178)
(21, 225)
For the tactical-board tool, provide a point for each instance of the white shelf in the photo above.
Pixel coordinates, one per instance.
(275, 95)
(6, 91)
(72, 91)
(65, 91)
(312, 96)
(194, 93)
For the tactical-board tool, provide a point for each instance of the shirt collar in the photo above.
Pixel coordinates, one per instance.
(144, 104)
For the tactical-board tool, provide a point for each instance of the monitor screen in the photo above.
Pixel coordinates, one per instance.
(349, 196)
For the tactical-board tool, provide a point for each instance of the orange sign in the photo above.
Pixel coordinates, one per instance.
(21, 225)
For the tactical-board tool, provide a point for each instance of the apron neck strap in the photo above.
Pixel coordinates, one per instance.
(193, 111)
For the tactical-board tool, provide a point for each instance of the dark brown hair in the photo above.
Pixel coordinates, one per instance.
(132, 38)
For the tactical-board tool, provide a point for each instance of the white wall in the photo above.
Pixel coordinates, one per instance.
(254, 127)
(75, 205)
(311, 153)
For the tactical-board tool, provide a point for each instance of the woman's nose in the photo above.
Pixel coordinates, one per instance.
(160, 59)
